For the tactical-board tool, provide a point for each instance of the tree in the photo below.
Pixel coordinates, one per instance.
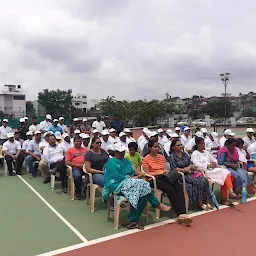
(30, 111)
(57, 103)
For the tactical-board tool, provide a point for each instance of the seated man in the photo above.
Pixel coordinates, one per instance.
(55, 127)
(17, 138)
(54, 156)
(75, 159)
(66, 144)
(34, 154)
(25, 144)
(12, 152)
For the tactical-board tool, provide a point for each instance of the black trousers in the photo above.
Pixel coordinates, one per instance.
(174, 193)
(62, 169)
(18, 163)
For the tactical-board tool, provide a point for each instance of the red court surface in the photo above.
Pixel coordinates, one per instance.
(230, 231)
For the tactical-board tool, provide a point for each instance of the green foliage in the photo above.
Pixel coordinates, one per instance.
(30, 111)
(139, 113)
(57, 103)
(248, 112)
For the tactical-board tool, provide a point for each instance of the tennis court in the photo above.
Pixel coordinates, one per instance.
(38, 221)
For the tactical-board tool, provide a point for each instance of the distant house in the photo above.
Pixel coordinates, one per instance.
(177, 102)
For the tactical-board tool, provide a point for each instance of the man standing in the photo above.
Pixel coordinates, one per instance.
(4, 130)
(62, 125)
(12, 151)
(34, 126)
(74, 127)
(34, 154)
(55, 127)
(22, 129)
(54, 156)
(85, 128)
(117, 124)
(99, 124)
(46, 124)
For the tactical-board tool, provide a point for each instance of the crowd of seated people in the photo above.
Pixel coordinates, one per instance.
(128, 167)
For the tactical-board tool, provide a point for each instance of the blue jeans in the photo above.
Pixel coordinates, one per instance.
(97, 179)
(242, 177)
(77, 174)
(29, 162)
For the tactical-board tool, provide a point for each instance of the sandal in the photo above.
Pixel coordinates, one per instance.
(184, 219)
(139, 226)
(130, 225)
(235, 196)
(227, 203)
(204, 207)
(210, 206)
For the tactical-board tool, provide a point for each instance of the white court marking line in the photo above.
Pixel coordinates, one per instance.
(129, 232)
(73, 229)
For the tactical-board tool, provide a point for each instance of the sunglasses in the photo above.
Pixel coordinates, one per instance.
(98, 142)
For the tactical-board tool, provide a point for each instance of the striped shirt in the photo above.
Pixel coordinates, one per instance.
(154, 164)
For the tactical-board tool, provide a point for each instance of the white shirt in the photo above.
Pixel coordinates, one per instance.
(45, 125)
(167, 147)
(142, 144)
(130, 139)
(248, 141)
(33, 128)
(25, 145)
(209, 144)
(64, 127)
(190, 145)
(222, 141)
(98, 125)
(53, 154)
(126, 146)
(105, 144)
(140, 139)
(242, 155)
(114, 140)
(4, 131)
(11, 147)
(43, 143)
(33, 146)
(65, 145)
(163, 140)
(252, 148)
(184, 140)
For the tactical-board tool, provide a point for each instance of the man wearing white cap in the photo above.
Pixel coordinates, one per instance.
(34, 154)
(12, 152)
(34, 126)
(62, 125)
(129, 137)
(185, 138)
(86, 140)
(22, 129)
(46, 124)
(122, 138)
(161, 138)
(25, 144)
(55, 127)
(98, 124)
(249, 139)
(112, 136)
(66, 144)
(227, 133)
(145, 130)
(105, 140)
(4, 130)
(177, 130)
(85, 128)
(212, 144)
(144, 141)
(192, 143)
(58, 137)
(167, 145)
(205, 132)
(74, 127)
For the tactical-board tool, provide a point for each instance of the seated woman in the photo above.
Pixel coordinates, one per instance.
(95, 160)
(243, 156)
(133, 155)
(228, 156)
(119, 179)
(197, 185)
(154, 164)
(204, 161)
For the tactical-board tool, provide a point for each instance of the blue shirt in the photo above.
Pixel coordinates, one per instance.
(55, 129)
(117, 125)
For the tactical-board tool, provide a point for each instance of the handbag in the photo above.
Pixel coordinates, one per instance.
(171, 177)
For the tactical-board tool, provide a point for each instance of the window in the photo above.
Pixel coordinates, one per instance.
(77, 103)
(19, 97)
(84, 102)
(84, 97)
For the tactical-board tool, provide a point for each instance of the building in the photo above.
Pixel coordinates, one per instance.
(39, 108)
(79, 101)
(177, 102)
(93, 103)
(247, 101)
(13, 101)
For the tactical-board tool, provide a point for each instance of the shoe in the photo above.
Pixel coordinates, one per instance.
(57, 178)
(78, 196)
(10, 174)
(47, 180)
(64, 190)
(19, 173)
(32, 177)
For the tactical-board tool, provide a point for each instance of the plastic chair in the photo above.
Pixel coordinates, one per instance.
(91, 190)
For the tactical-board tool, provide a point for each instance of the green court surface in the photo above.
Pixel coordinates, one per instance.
(30, 227)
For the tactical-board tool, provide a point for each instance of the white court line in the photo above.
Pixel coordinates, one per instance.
(56, 212)
(129, 232)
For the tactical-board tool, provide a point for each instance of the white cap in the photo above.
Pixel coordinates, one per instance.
(177, 129)
(55, 120)
(37, 132)
(199, 134)
(77, 131)
(85, 120)
(46, 133)
(120, 147)
(227, 132)
(61, 118)
(29, 133)
(250, 130)
(121, 134)
(127, 130)
(10, 135)
(214, 134)
(84, 135)
(148, 133)
(105, 132)
(160, 130)
(50, 133)
(65, 135)
(169, 132)
(26, 118)
(174, 135)
(75, 119)
(145, 129)
(58, 135)
(22, 120)
(152, 134)
(232, 134)
(95, 131)
(112, 130)
(111, 147)
(49, 117)
(204, 130)
(187, 128)
(5, 120)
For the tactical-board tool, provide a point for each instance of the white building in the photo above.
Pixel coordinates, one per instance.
(79, 101)
(13, 101)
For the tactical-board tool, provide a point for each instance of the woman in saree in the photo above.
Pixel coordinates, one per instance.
(204, 161)
(121, 178)
(229, 157)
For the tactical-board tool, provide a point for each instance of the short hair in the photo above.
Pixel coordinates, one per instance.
(34, 117)
(17, 133)
(133, 145)
(77, 137)
(239, 142)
